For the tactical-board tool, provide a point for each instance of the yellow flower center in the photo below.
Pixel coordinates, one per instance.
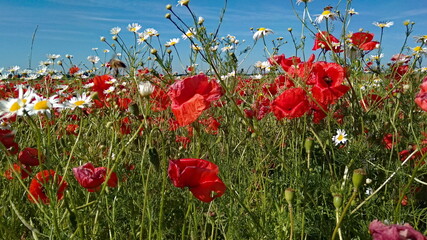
(417, 49)
(15, 107)
(79, 103)
(261, 29)
(42, 105)
(340, 137)
(326, 13)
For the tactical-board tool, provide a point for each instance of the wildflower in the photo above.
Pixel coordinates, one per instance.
(44, 105)
(303, 1)
(189, 34)
(69, 56)
(419, 49)
(227, 48)
(183, 2)
(191, 96)
(80, 101)
(261, 32)
(379, 230)
(151, 32)
(14, 69)
(340, 137)
(134, 27)
(400, 58)
(196, 47)
(421, 39)
(328, 78)
(377, 57)
(352, 12)
(326, 41)
(142, 38)
(292, 103)
(37, 189)
(145, 88)
(91, 178)
(93, 59)
(363, 41)
(115, 30)
(200, 21)
(11, 107)
(109, 90)
(326, 14)
(30, 157)
(19, 169)
(383, 24)
(199, 175)
(102, 39)
(172, 42)
(53, 56)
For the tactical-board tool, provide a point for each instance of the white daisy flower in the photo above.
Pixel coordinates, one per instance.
(189, 34)
(115, 30)
(44, 105)
(109, 90)
(261, 32)
(93, 59)
(172, 42)
(383, 24)
(134, 27)
(341, 137)
(327, 14)
(80, 101)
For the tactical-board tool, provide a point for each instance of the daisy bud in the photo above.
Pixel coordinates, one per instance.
(289, 195)
(368, 181)
(201, 21)
(59, 63)
(337, 200)
(289, 29)
(184, 2)
(169, 7)
(168, 15)
(153, 51)
(102, 39)
(169, 51)
(358, 176)
(114, 37)
(406, 23)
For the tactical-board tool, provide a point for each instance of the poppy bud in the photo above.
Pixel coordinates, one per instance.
(358, 176)
(308, 144)
(154, 158)
(133, 108)
(337, 200)
(289, 195)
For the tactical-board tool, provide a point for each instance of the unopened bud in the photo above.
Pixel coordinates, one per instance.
(168, 15)
(290, 29)
(102, 39)
(308, 144)
(153, 51)
(337, 200)
(169, 7)
(114, 37)
(289, 195)
(358, 177)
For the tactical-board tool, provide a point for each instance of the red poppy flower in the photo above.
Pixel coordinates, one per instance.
(73, 70)
(30, 157)
(91, 178)
(20, 169)
(199, 175)
(328, 78)
(285, 63)
(37, 186)
(7, 138)
(363, 41)
(292, 103)
(421, 98)
(326, 41)
(125, 126)
(191, 96)
(159, 100)
(72, 129)
(100, 85)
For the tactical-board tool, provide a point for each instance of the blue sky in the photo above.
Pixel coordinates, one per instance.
(74, 27)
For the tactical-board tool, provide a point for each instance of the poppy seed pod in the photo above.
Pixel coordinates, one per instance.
(289, 195)
(358, 176)
(337, 200)
(308, 144)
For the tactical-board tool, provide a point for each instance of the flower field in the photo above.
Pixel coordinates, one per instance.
(329, 143)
